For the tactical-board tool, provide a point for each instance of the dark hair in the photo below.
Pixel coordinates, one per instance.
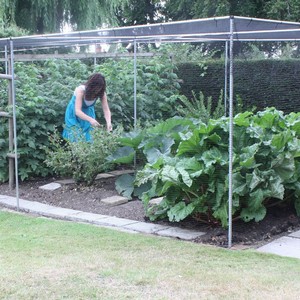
(95, 87)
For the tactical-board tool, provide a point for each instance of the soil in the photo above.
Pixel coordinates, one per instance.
(279, 221)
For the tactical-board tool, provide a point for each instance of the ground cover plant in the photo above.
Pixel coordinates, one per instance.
(186, 163)
(50, 259)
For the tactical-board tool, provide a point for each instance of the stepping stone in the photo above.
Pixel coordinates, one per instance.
(65, 181)
(284, 246)
(104, 175)
(114, 200)
(121, 172)
(51, 186)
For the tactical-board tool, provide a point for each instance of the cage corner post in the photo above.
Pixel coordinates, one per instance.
(230, 150)
(13, 96)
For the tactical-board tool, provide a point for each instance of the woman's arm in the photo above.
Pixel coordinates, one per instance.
(106, 112)
(78, 105)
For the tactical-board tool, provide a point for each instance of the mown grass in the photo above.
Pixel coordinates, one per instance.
(50, 259)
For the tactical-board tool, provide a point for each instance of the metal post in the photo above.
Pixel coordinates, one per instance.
(14, 119)
(134, 95)
(230, 150)
(134, 87)
(226, 78)
(6, 60)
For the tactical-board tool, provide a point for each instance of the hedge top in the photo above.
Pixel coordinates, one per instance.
(209, 29)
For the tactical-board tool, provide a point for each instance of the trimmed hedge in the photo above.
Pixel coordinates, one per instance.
(260, 83)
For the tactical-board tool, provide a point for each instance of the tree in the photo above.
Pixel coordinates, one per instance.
(288, 10)
(138, 12)
(40, 16)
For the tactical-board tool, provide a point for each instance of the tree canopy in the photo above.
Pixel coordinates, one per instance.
(268, 9)
(43, 16)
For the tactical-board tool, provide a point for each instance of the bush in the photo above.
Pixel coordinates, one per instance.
(82, 160)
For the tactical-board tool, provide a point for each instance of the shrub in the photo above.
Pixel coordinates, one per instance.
(82, 160)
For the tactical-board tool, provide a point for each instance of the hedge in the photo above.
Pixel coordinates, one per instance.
(260, 83)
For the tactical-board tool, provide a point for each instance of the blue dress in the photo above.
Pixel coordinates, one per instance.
(76, 128)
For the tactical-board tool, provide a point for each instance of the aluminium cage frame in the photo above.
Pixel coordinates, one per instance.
(226, 29)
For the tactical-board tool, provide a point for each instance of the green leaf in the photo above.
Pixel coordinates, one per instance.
(124, 185)
(242, 119)
(239, 184)
(154, 156)
(191, 145)
(185, 177)
(122, 155)
(281, 139)
(132, 139)
(180, 211)
(253, 180)
(248, 214)
(284, 166)
(169, 173)
(222, 214)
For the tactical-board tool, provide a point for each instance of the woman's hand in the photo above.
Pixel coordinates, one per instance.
(109, 127)
(94, 123)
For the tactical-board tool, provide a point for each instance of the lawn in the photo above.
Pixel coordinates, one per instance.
(51, 259)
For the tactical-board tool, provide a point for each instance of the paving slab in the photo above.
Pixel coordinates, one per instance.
(121, 172)
(146, 227)
(34, 206)
(66, 181)
(59, 212)
(114, 221)
(284, 246)
(184, 234)
(86, 217)
(295, 234)
(103, 176)
(50, 186)
(8, 200)
(114, 200)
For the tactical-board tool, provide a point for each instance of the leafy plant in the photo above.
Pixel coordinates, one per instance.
(43, 90)
(82, 160)
(157, 89)
(187, 164)
(200, 107)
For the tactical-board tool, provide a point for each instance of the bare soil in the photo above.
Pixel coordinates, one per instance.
(278, 222)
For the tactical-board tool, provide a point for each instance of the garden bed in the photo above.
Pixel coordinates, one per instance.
(278, 221)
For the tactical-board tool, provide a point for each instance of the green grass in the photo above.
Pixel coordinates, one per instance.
(50, 259)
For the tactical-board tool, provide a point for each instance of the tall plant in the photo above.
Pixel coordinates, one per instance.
(187, 164)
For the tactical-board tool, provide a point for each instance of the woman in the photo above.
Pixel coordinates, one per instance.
(80, 115)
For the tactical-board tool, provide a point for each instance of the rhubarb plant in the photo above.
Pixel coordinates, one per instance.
(186, 162)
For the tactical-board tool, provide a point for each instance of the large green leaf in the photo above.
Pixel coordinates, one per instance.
(222, 214)
(242, 119)
(281, 139)
(124, 185)
(180, 211)
(239, 184)
(248, 214)
(132, 139)
(284, 166)
(123, 155)
(191, 145)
